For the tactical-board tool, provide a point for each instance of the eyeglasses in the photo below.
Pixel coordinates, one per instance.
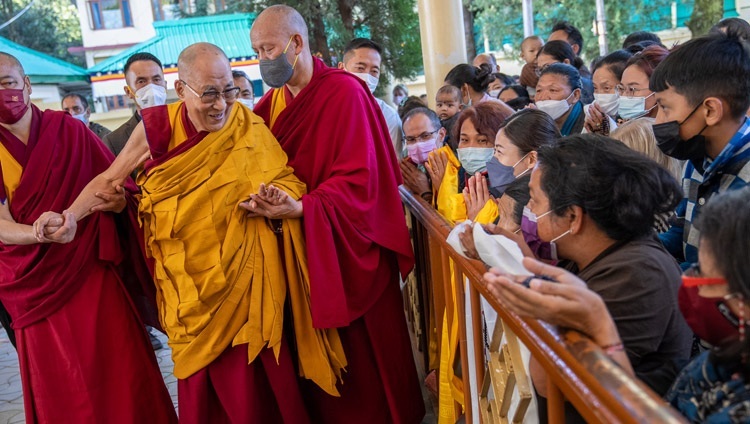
(421, 137)
(692, 277)
(211, 96)
(628, 91)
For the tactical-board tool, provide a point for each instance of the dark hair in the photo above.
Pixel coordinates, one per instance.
(531, 129)
(429, 113)
(620, 189)
(505, 79)
(638, 36)
(518, 190)
(574, 35)
(478, 78)
(563, 69)
(138, 57)
(450, 89)
(732, 26)
(411, 102)
(560, 50)
(714, 65)
(519, 103)
(241, 74)
(487, 117)
(518, 89)
(724, 224)
(359, 43)
(648, 59)
(614, 61)
(82, 98)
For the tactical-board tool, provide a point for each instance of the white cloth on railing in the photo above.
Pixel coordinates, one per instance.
(494, 250)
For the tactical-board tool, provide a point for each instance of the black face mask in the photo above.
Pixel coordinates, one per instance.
(669, 141)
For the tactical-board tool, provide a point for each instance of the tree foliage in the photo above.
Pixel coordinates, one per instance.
(50, 26)
(504, 23)
(332, 23)
(706, 13)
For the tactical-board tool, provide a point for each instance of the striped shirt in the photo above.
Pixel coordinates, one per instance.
(729, 171)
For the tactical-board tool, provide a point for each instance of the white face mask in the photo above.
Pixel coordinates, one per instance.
(247, 102)
(82, 118)
(398, 99)
(610, 103)
(371, 81)
(633, 107)
(474, 159)
(151, 95)
(494, 93)
(554, 108)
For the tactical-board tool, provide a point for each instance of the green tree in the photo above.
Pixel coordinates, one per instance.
(504, 26)
(50, 26)
(706, 13)
(332, 23)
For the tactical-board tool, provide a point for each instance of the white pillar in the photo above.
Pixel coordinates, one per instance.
(601, 26)
(528, 17)
(441, 25)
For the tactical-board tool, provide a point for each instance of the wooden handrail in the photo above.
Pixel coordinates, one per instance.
(596, 386)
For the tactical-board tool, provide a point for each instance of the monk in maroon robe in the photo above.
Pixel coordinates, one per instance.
(83, 352)
(338, 143)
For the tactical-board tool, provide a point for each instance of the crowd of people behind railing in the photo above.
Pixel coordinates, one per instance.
(625, 189)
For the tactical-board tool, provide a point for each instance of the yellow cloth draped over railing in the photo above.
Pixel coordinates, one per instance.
(220, 276)
(450, 203)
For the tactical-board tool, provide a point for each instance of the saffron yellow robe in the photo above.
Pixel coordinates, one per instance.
(221, 278)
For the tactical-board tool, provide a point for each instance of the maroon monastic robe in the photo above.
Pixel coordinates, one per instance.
(338, 143)
(83, 351)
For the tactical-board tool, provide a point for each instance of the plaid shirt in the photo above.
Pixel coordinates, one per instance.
(729, 171)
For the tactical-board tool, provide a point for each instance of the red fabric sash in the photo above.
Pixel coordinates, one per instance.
(156, 121)
(60, 159)
(338, 143)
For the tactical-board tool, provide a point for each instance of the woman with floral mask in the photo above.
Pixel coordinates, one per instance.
(592, 205)
(714, 386)
(601, 116)
(636, 99)
(558, 93)
(475, 131)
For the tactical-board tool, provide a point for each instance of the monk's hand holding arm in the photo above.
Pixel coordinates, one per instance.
(13, 233)
(102, 194)
(272, 202)
(112, 202)
(53, 227)
(476, 194)
(566, 302)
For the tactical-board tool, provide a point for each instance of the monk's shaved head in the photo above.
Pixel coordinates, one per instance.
(9, 58)
(283, 18)
(195, 54)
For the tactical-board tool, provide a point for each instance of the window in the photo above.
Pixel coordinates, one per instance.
(167, 10)
(109, 14)
(116, 102)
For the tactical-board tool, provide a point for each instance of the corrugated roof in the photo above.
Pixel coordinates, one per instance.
(43, 68)
(230, 32)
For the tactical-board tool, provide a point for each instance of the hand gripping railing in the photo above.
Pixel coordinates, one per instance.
(578, 371)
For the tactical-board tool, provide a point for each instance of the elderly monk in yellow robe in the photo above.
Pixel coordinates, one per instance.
(222, 277)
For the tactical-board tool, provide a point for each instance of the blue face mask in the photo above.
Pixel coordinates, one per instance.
(633, 107)
(474, 159)
(501, 176)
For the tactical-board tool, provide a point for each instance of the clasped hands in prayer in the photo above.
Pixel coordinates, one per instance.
(272, 202)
